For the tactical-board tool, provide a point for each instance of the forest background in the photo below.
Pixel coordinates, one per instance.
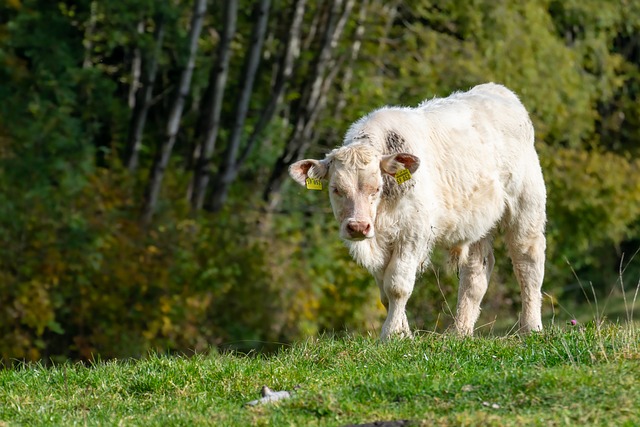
(144, 202)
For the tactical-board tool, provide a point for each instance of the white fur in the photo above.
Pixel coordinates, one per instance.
(474, 168)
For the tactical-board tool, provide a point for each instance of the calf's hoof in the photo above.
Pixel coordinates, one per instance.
(526, 329)
(399, 334)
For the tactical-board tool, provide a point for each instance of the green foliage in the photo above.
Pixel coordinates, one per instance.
(79, 275)
(584, 375)
(594, 200)
(95, 283)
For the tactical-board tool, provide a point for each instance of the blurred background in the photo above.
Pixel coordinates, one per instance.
(144, 198)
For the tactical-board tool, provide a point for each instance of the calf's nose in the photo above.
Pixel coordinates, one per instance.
(358, 228)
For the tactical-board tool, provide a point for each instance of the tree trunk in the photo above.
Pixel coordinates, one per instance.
(285, 70)
(313, 99)
(389, 12)
(136, 70)
(88, 35)
(228, 171)
(213, 107)
(355, 51)
(143, 100)
(164, 153)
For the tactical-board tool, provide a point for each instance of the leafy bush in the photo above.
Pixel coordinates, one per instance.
(593, 201)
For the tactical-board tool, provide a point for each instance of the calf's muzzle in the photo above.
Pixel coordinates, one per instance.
(358, 229)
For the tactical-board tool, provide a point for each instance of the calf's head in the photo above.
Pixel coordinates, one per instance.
(355, 174)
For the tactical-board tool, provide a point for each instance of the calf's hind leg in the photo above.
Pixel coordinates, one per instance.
(474, 271)
(527, 243)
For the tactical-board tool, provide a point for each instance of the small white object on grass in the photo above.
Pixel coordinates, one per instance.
(269, 396)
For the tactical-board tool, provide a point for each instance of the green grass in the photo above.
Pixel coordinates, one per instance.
(583, 375)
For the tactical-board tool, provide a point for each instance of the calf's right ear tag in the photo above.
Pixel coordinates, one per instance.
(402, 176)
(314, 184)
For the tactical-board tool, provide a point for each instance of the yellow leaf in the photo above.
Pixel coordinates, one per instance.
(165, 305)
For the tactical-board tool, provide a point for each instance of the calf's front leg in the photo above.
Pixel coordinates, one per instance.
(398, 281)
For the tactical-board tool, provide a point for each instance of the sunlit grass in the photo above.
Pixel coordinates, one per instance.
(620, 305)
(574, 375)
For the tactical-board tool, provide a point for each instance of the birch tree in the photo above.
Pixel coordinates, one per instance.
(228, 170)
(355, 51)
(163, 154)
(285, 71)
(89, 34)
(143, 97)
(213, 107)
(323, 71)
(136, 69)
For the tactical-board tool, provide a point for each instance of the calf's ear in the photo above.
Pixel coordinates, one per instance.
(393, 163)
(309, 168)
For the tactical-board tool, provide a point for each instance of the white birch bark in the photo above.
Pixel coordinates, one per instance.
(355, 51)
(325, 68)
(144, 100)
(173, 125)
(217, 83)
(285, 71)
(136, 70)
(227, 172)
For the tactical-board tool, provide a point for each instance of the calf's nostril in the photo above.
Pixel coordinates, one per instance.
(358, 227)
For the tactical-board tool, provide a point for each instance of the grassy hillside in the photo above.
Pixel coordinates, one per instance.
(578, 375)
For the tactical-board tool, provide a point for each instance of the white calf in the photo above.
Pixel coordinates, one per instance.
(463, 165)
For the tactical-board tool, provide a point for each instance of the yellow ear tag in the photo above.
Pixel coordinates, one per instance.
(402, 176)
(314, 184)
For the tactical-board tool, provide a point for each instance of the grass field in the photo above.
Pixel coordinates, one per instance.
(574, 375)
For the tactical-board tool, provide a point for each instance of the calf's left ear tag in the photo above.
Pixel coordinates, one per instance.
(313, 184)
(402, 176)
